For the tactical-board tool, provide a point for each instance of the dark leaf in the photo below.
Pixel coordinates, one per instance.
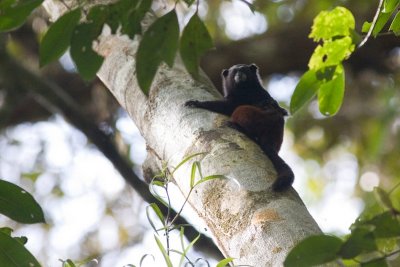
(360, 241)
(386, 225)
(131, 25)
(14, 13)
(87, 61)
(18, 204)
(314, 250)
(159, 43)
(375, 263)
(195, 42)
(14, 254)
(58, 38)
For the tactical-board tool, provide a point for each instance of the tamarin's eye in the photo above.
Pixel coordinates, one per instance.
(225, 72)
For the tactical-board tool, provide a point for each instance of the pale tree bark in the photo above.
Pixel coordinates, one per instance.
(247, 220)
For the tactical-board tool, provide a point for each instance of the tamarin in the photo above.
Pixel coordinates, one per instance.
(255, 113)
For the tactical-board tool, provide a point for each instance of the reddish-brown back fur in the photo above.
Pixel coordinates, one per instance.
(265, 126)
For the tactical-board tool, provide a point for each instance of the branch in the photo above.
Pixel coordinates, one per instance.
(53, 97)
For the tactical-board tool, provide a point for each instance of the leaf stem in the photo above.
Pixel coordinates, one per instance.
(378, 10)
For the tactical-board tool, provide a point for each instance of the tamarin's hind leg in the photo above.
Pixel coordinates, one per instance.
(285, 175)
(265, 127)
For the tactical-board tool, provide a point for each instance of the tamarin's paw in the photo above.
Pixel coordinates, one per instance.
(283, 182)
(192, 103)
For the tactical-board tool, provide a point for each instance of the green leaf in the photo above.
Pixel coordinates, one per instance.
(14, 254)
(186, 160)
(305, 90)
(375, 263)
(164, 252)
(331, 53)
(224, 262)
(87, 61)
(382, 197)
(184, 254)
(68, 263)
(189, 2)
(395, 26)
(132, 24)
(159, 214)
(18, 204)
(360, 241)
(335, 23)
(380, 23)
(14, 13)
(159, 43)
(366, 26)
(195, 42)
(193, 174)
(314, 250)
(208, 178)
(58, 37)
(386, 225)
(330, 94)
(390, 5)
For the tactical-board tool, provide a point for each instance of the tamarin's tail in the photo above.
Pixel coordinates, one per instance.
(285, 174)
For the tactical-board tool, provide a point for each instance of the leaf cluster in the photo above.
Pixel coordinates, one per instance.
(167, 222)
(19, 205)
(373, 239)
(336, 30)
(79, 28)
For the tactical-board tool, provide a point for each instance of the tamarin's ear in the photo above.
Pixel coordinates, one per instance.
(253, 67)
(225, 72)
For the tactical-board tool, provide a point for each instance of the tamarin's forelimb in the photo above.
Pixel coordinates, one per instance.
(255, 113)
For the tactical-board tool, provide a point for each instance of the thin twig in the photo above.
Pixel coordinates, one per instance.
(372, 24)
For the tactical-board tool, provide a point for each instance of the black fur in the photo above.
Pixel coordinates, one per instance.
(254, 112)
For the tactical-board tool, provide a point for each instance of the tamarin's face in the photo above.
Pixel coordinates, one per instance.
(239, 76)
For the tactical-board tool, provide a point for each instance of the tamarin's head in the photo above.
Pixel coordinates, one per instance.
(240, 76)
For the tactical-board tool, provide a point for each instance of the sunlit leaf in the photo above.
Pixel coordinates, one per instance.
(159, 43)
(14, 254)
(366, 26)
(87, 61)
(184, 254)
(14, 13)
(193, 174)
(186, 160)
(380, 23)
(195, 42)
(306, 89)
(331, 53)
(338, 22)
(330, 94)
(164, 252)
(208, 178)
(314, 250)
(224, 262)
(58, 37)
(18, 204)
(395, 26)
(390, 5)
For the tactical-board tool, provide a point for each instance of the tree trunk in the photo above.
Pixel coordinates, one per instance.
(247, 220)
